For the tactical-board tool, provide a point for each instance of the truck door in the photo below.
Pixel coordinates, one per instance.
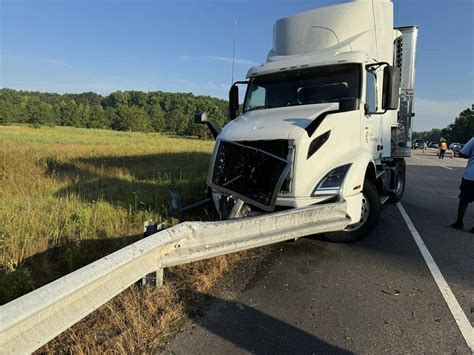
(371, 122)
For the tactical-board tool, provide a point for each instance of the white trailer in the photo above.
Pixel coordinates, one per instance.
(326, 118)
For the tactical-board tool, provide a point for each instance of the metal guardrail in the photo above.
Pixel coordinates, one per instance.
(32, 320)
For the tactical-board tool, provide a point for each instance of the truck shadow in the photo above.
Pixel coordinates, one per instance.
(131, 182)
(247, 328)
(134, 183)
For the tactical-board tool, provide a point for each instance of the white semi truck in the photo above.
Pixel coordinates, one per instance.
(326, 118)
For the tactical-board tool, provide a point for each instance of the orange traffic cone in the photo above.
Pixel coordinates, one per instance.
(452, 154)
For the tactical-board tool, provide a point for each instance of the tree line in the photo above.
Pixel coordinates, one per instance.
(153, 111)
(460, 131)
(122, 110)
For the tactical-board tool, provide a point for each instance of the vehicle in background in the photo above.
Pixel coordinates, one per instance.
(457, 150)
(419, 144)
(434, 145)
(454, 145)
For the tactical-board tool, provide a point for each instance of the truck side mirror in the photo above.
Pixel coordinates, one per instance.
(201, 118)
(391, 87)
(233, 101)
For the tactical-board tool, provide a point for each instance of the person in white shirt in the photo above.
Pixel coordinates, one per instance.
(467, 184)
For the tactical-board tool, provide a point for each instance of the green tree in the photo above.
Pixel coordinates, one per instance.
(66, 112)
(430, 136)
(137, 98)
(116, 99)
(462, 129)
(121, 110)
(130, 119)
(6, 113)
(182, 124)
(39, 112)
(79, 116)
(97, 118)
(157, 117)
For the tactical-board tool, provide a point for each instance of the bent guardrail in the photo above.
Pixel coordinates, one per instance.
(32, 320)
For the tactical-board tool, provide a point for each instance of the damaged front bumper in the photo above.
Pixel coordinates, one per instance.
(248, 173)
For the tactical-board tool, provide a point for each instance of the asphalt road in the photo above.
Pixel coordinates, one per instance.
(378, 295)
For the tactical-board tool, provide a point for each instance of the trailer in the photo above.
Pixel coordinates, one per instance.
(326, 118)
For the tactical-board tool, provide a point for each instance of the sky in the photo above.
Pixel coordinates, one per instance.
(186, 46)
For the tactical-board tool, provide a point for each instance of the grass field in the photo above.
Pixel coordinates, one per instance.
(69, 196)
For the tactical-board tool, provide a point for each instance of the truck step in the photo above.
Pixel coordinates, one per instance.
(384, 199)
(379, 174)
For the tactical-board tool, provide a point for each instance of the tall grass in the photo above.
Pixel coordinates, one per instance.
(69, 196)
(61, 186)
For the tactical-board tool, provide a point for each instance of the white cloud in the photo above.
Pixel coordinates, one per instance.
(74, 84)
(54, 61)
(227, 60)
(437, 113)
(245, 62)
(211, 88)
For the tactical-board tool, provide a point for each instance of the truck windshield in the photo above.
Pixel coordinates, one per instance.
(303, 87)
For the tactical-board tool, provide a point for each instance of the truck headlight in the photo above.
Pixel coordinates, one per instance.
(332, 182)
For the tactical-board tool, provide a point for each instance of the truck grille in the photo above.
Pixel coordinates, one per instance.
(249, 173)
(278, 147)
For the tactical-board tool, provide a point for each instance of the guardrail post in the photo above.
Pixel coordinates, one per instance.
(159, 277)
(149, 228)
(154, 278)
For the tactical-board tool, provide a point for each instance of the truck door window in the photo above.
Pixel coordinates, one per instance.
(371, 93)
(257, 97)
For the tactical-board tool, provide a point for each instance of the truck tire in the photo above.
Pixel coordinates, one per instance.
(370, 214)
(400, 182)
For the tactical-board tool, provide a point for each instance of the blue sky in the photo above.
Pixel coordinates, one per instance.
(186, 46)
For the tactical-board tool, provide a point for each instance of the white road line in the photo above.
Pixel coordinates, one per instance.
(446, 167)
(463, 323)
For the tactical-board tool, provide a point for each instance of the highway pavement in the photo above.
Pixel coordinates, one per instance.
(406, 288)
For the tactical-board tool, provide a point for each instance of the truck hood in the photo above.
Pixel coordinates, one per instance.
(275, 123)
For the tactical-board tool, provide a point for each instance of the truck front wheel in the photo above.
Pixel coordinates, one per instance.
(370, 214)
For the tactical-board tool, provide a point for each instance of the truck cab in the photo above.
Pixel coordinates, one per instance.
(326, 118)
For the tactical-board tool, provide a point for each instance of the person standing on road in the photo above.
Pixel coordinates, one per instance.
(442, 148)
(467, 184)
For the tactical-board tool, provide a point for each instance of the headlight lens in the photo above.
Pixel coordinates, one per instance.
(332, 182)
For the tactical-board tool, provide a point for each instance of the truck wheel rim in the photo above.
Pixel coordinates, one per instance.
(364, 215)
